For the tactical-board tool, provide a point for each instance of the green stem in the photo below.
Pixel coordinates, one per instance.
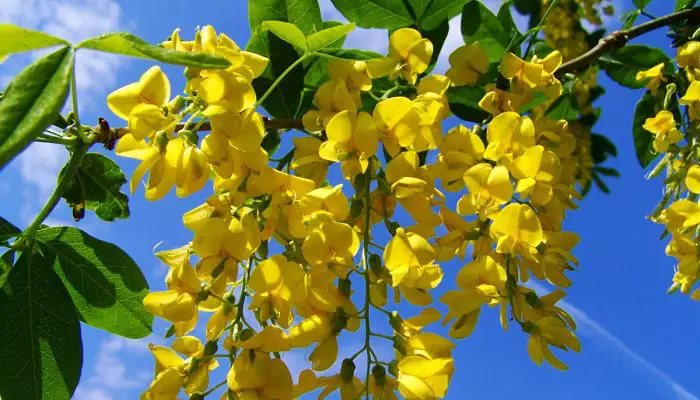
(539, 26)
(44, 138)
(279, 78)
(74, 98)
(365, 257)
(210, 391)
(63, 180)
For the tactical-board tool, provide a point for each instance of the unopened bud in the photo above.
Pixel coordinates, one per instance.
(347, 370)
(533, 300)
(177, 104)
(379, 374)
(375, 264)
(670, 92)
(210, 348)
(263, 250)
(344, 287)
(246, 334)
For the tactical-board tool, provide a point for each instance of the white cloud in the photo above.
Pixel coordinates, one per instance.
(113, 376)
(589, 327)
(39, 165)
(73, 20)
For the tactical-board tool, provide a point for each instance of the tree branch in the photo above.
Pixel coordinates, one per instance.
(618, 39)
(269, 124)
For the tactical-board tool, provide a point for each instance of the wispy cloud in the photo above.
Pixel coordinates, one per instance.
(73, 20)
(589, 327)
(113, 376)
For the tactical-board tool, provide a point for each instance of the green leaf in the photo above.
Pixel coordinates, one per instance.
(127, 44)
(643, 139)
(479, 24)
(15, 39)
(601, 148)
(565, 107)
(304, 14)
(350, 54)
(328, 36)
(271, 141)
(437, 37)
(605, 171)
(284, 100)
(506, 17)
(641, 3)
(439, 11)
(464, 103)
(97, 184)
(106, 285)
(601, 185)
(622, 65)
(538, 98)
(384, 14)
(32, 102)
(629, 18)
(317, 71)
(7, 228)
(681, 4)
(287, 32)
(41, 350)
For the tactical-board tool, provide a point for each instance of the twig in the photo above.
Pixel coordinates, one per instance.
(269, 124)
(618, 39)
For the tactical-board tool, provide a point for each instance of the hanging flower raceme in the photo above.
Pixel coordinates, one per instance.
(280, 243)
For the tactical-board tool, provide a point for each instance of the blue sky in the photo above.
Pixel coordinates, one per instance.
(637, 341)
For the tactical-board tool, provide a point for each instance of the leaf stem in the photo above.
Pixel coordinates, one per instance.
(281, 77)
(539, 26)
(63, 180)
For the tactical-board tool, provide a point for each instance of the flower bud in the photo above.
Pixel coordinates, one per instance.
(379, 374)
(344, 287)
(375, 264)
(196, 396)
(347, 370)
(529, 327)
(395, 321)
(394, 368)
(189, 136)
(533, 300)
(263, 249)
(210, 348)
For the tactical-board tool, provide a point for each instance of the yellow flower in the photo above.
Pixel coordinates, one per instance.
(237, 238)
(460, 149)
(153, 88)
(397, 122)
(331, 98)
(508, 135)
(424, 379)
(353, 72)
(413, 187)
(352, 140)
(653, 77)
(549, 331)
(224, 90)
(680, 215)
(480, 282)
(537, 171)
(555, 256)
(497, 101)
(160, 161)
(274, 281)
(345, 382)
(333, 245)
(459, 233)
(466, 64)
(517, 230)
(410, 261)
(432, 107)
(192, 171)
(255, 375)
(244, 131)
(692, 100)
(315, 207)
(692, 179)
(534, 74)
(409, 56)
(307, 162)
(488, 187)
(688, 57)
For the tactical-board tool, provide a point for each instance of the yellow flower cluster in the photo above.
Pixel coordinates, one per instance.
(679, 210)
(514, 178)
